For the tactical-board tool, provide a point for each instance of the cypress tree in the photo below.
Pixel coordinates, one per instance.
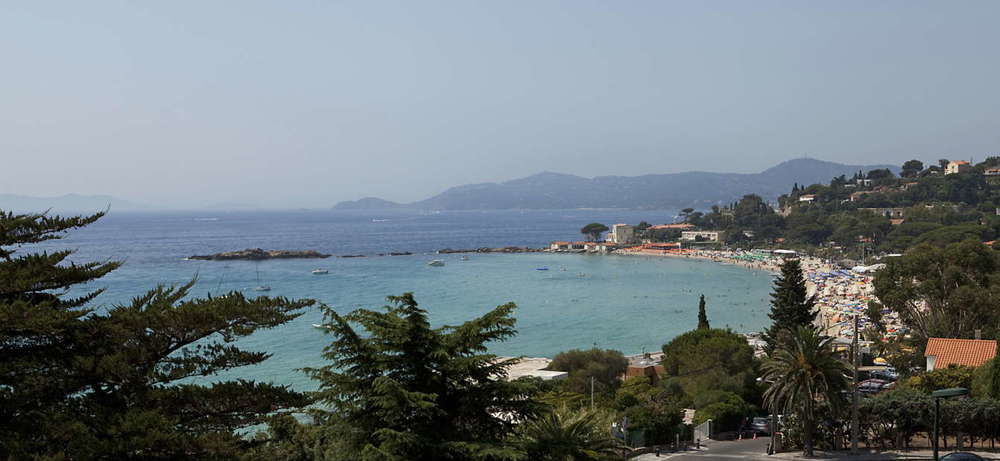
(79, 381)
(702, 316)
(791, 306)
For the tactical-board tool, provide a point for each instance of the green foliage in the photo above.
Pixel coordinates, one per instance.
(404, 390)
(804, 371)
(944, 292)
(903, 413)
(594, 230)
(702, 360)
(566, 434)
(604, 365)
(85, 384)
(941, 378)
(791, 307)
(986, 380)
(912, 168)
(702, 315)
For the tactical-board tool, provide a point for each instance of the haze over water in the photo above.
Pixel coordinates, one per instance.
(620, 302)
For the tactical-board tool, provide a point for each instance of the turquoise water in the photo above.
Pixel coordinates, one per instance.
(619, 302)
(629, 303)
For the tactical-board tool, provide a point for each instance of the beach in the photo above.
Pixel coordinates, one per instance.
(840, 293)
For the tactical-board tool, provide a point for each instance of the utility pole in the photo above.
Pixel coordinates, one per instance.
(855, 418)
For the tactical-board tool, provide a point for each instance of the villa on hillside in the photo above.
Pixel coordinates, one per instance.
(807, 198)
(957, 166)
(942, 352)
(892, 213)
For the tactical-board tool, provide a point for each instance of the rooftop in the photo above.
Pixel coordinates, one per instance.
(964, 352)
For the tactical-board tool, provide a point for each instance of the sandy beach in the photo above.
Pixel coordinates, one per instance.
(840, 293)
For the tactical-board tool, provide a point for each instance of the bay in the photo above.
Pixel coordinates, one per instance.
(629, 303)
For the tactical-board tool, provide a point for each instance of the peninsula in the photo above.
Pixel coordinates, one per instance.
(257, 254)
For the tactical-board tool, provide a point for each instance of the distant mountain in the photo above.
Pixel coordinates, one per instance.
(67, 203)
(676, 190)
(368, 203)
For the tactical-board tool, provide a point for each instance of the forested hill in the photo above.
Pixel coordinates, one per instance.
(676, 190)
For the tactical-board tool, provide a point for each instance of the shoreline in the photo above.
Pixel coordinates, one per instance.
(840, 293)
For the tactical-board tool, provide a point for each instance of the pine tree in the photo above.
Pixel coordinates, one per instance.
(791, 306)
(702, 316)
(79, 382)
(406, 391)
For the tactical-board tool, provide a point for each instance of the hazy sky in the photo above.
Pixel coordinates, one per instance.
(296, 103)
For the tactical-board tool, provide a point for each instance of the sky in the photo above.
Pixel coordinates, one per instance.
(304, 104)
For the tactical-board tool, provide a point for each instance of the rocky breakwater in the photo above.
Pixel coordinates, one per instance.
(257, 254)
(492, 250)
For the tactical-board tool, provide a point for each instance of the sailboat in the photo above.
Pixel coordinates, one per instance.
(260, 287)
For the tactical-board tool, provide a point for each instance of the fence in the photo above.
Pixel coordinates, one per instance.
(703, 431)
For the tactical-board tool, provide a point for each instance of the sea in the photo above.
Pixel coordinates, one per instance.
(633, 304)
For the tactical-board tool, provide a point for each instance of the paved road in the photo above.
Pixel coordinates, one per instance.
(742, 449)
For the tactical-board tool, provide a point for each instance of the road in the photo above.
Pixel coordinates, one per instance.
(740, 449)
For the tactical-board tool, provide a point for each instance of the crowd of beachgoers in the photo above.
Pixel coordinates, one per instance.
(840, 293)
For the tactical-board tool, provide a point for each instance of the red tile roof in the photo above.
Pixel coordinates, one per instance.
(966, 352)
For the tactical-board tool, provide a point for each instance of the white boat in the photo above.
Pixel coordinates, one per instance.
(465, 258)
(320, 326)
(260, 287)
(436, 263)
(320, 271)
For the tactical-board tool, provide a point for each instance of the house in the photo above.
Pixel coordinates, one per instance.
(560, 246)
(807, 197)
(943, 352)
(647, 365)
(957, 166)
(621, 234)
(703, 236)
(892, 213)
(992, 172)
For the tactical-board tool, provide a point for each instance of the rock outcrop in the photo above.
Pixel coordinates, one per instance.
(257, 254)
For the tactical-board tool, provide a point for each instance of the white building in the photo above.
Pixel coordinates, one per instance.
(957, 166)
(621, 234)
(705, 236)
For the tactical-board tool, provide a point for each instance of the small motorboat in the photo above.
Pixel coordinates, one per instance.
(320, 326)
(436, 263)
(465, 258)
(320, 271)
(262, 288)
(541, 268)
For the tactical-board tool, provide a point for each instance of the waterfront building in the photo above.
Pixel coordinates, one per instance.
(703, 235)
(621, 234)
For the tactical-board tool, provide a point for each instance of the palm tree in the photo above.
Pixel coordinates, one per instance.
(570, 435)
(804, 371)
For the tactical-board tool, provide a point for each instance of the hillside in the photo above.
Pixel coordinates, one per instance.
(676, 190)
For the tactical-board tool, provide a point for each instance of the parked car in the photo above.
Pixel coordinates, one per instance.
(872, 386)
(962, 456)
(761, 425)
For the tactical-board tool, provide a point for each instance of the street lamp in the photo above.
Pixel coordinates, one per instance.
(938, 395)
